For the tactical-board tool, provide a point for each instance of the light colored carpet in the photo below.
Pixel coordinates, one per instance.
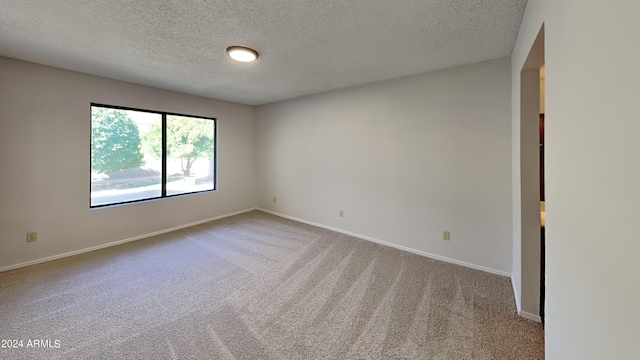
(256, 286)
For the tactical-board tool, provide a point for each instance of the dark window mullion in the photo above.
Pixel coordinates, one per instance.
(164, 155)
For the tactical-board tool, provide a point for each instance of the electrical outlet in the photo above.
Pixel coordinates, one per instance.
(274, 199)
(446, 235)
(32, 236)
(341, 213)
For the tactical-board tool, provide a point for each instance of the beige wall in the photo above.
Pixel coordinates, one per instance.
(592, 173)
(542, 90)
(45, 138)
(405, 160)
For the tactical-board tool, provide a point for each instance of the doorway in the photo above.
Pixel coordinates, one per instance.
(542, 196)
(531, 176)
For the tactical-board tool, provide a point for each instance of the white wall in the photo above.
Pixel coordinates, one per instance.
(592, 168)
(44, 162)
(405, 159)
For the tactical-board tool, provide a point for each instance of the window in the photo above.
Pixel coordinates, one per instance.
(139, 155)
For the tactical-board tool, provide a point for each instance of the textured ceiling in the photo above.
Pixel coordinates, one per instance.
(305, 46)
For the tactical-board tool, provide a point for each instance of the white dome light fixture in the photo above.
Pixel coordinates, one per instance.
(242, 54)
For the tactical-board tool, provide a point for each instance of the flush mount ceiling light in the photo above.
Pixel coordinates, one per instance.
(242, 54)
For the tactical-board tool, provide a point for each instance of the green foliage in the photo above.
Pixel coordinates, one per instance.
(188, 139)
(115, 141)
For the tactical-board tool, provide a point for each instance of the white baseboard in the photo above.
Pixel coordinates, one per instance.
(524, 314)
(419, 252)
(118, 242)
(515, 294)
(530, 316)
